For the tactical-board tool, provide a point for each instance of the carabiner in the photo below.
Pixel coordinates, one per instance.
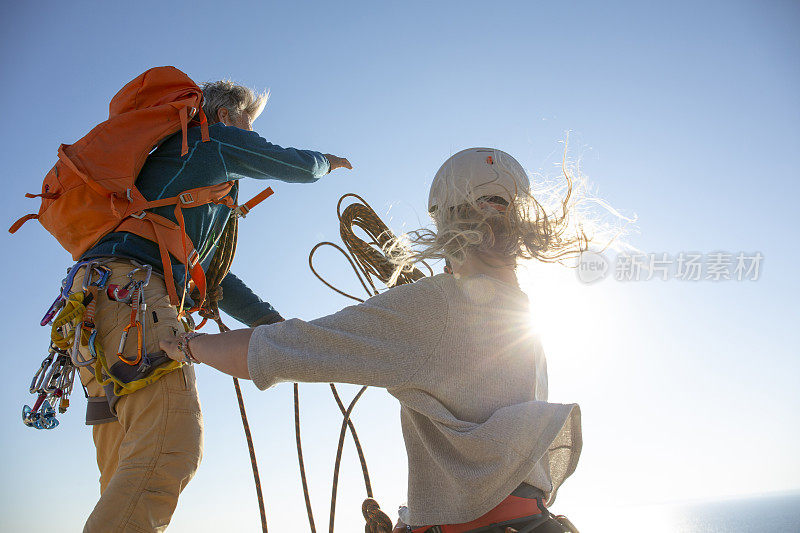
(54, 308)
(105, 272)
(146, 268)
(31, 415)
(66, 286)
(66, 283)
(92, 338)
(38, 377)
(76, 355)
(47, 417)
(120, 293)
(50, 383)
(139, 343)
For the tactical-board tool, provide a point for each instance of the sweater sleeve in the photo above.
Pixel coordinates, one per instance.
(245, 154)
(382, 342)
(240, 302)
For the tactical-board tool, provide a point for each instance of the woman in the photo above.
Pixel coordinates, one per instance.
(484, 447)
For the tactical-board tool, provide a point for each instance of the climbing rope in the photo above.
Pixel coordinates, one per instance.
(368, 261)
(216, 272)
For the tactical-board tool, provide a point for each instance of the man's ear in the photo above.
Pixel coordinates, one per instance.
(223, 116)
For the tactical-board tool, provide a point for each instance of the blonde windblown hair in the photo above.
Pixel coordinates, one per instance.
(553, 222)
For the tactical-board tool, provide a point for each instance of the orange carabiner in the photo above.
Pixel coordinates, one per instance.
(139, 343)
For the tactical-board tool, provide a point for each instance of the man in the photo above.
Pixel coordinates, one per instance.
(149, 442)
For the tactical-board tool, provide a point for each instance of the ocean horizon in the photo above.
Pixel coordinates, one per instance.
(774, 513)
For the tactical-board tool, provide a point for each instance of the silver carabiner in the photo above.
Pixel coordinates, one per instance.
(149, 272)
(52, 379)
(38, 377)
(104, 272)
(68, 381)
(66, 283)
(75, 354)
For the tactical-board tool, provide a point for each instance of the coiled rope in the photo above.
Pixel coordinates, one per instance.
(368, 261)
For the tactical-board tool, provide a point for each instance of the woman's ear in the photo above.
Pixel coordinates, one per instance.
(447, 268)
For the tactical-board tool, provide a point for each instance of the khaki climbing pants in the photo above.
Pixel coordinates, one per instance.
(149, 454)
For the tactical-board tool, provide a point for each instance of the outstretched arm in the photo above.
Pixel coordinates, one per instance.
(245, 154)
(227, 352)
(382, 342)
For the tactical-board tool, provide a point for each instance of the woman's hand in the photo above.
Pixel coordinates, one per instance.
(170, 347)
(226, 352)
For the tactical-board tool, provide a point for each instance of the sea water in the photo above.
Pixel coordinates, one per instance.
(777, 513)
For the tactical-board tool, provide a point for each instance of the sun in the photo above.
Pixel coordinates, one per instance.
(573, 319)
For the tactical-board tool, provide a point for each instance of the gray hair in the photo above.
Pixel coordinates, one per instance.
(237, 99)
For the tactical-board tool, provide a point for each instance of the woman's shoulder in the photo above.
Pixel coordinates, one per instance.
(447, 287)
(423, 291)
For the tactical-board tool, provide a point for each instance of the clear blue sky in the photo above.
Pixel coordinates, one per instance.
(686, 115)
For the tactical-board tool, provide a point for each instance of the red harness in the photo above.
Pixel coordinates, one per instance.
(512, 508)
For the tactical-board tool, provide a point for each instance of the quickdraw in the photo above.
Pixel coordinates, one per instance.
(133, 293)
(87, 328)
(53, 383)
(72, 317)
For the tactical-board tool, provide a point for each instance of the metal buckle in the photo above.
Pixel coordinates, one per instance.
(186, 198)
(241, 211)
(192, 258)
(140, 216)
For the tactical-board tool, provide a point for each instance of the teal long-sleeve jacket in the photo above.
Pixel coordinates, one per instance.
(231, 154)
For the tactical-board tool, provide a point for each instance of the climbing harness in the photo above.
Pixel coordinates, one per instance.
(515, 514)
(368, 260)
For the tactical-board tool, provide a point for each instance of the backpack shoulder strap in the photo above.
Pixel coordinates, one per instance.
(171, 237)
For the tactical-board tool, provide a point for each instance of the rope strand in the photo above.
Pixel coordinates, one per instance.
(367, 260)
(217, 270)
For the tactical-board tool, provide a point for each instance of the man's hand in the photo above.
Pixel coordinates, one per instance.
(338, 162)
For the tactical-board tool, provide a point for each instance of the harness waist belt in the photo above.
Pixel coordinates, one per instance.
(511, 509)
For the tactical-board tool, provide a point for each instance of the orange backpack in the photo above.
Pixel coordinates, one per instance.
(91, 190)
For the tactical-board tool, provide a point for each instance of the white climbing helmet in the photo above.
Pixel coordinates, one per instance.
(475, 173)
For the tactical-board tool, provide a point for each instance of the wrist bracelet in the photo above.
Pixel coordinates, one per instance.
(183, 346)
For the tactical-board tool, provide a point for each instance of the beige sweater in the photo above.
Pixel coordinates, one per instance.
(471, 379)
